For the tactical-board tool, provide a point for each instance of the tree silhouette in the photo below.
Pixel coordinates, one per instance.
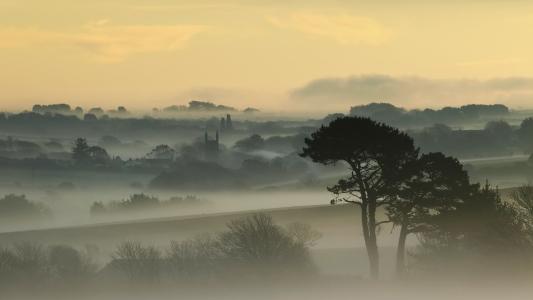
(375, 155)
(83, 154)
(483, 231)
(436, 182)
(162, 152)
(258, 241)
(80, 151)
(98, 155)
(525, 134)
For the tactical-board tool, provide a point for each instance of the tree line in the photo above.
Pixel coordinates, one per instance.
(249, 247)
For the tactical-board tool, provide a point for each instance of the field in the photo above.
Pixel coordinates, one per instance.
(340, 250)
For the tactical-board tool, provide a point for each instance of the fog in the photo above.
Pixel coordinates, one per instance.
(72, 208)
(218, 204)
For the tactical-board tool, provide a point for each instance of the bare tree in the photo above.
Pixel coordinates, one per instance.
(303, 233)
(258, 240)
(523, 196)
(30, 262)
(137, 261)
(198, 257)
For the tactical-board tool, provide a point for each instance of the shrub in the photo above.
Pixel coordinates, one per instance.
(12, 207)
(199, 257)
(137, 261)
(29, 263)
(35, 264)
(257, 241)
(69, 264)
(303, 233)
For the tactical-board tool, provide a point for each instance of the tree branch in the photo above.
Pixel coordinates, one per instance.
(383, 222)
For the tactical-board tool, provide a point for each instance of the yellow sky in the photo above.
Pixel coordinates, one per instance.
(153, 53)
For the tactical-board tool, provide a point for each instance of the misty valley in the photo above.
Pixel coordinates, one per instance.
(114, 204)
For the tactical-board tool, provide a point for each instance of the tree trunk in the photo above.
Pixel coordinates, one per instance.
(372, 245)
(369, 233)
(400, 251)
(368, 220)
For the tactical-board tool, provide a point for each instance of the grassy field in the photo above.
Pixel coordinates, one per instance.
(339, 251)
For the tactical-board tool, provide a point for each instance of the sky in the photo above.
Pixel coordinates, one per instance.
(292, 55)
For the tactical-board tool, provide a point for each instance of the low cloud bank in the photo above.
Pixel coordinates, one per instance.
(416, 91)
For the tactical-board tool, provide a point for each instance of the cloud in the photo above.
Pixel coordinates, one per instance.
(415, 91)
(343, 28)
(105, 42)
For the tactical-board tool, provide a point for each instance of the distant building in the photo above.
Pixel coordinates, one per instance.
(229, 124)
(226, 124)
(211, 147)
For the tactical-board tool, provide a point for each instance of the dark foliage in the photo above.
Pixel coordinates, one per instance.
(482, 234)
(436, 184)
(17, 208)
(386, 112)
(376, 155)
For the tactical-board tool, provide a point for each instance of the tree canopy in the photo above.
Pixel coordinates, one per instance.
(376, 155)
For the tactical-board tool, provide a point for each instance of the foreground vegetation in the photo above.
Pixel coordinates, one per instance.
(425, 194)
(252, 247)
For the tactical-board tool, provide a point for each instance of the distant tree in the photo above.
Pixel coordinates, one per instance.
(379, 111)
(97, 208)
(90, 117)
(175, 108)
(250, 110)
(80, 151)
(13, 207)
(83, 154)
(78, 110)
(208, 106)
(525, 134)
(435, 183)
(477, 110)
(96, 111)
(20, 149)
(251, 143)
(98, 155)
(140, 201)
(162, 152)
(499, 130)
(375, 155)
(52, 108)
